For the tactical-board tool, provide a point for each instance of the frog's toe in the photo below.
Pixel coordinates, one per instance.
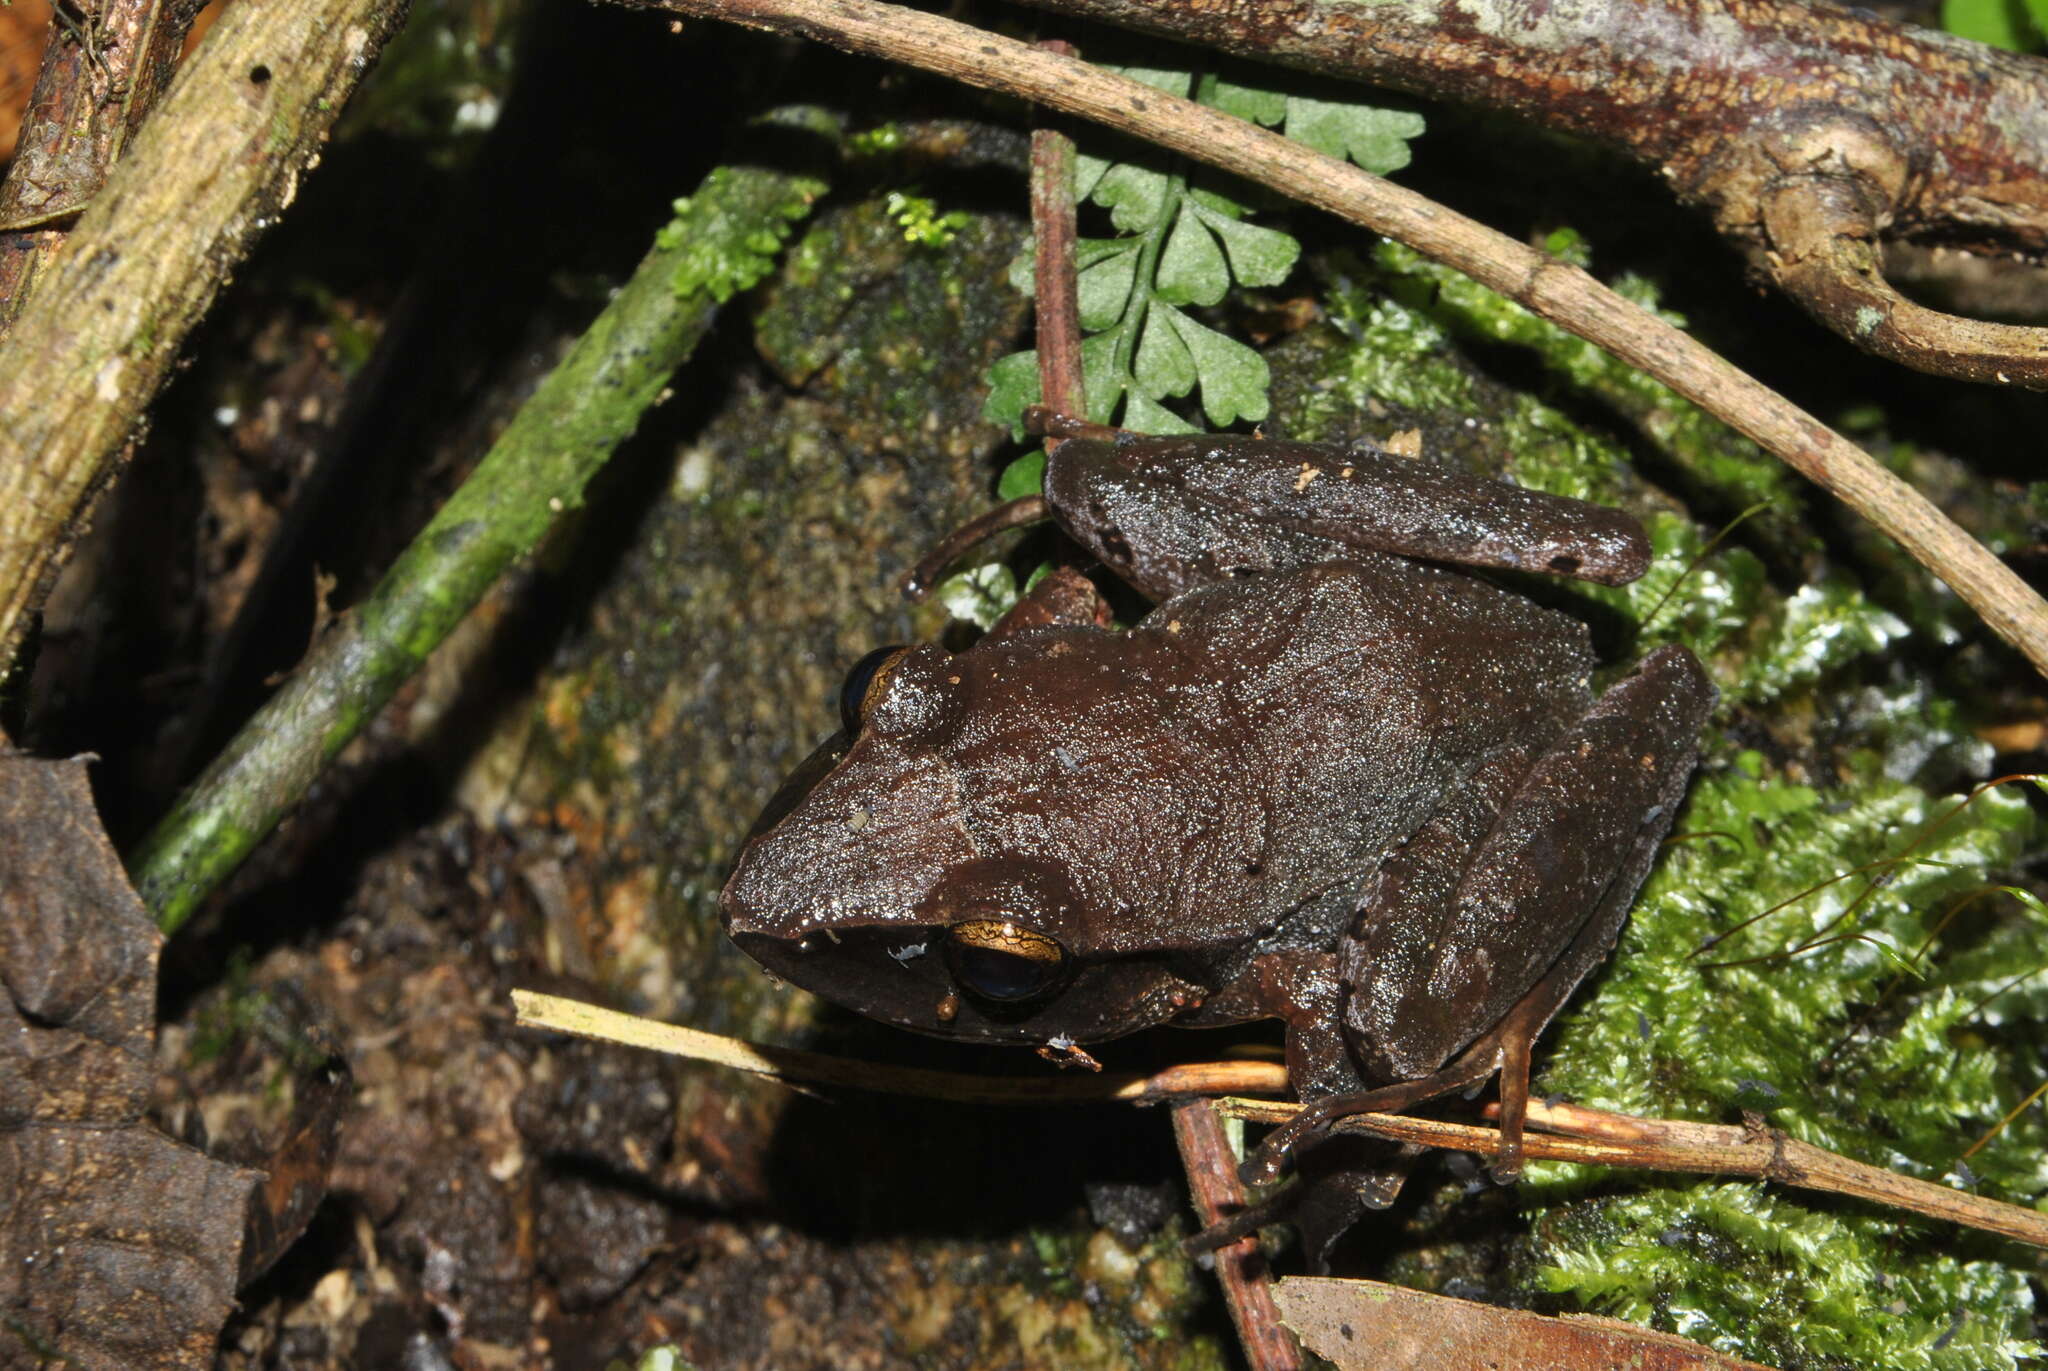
(1268, 1161)
(1347, 1178)
(1242, 1224)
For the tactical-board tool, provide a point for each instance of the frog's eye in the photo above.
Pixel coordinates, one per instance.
(996, 960)
(865, 684)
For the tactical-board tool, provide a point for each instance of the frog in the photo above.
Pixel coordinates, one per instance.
(1343, 774)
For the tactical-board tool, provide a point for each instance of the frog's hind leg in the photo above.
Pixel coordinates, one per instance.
(1471, 980)
(1648, 725)
(1470, 1069)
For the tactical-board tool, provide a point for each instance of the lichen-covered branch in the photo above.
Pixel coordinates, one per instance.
(218, 159)
(1566, 296)
(1808, 131)
(721, 243)
(100, 74)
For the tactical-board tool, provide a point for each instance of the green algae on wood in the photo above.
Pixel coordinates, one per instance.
(590, 403)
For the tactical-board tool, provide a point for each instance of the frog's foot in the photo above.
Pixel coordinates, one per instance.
(1270, 1158)
(1345, 1180)
(1242, 1224)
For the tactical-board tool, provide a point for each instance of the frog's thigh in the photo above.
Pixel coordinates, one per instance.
(1402, 919)
(1543, 894)
(1168, 514)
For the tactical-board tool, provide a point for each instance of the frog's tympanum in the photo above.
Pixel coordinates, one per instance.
(1332, 779)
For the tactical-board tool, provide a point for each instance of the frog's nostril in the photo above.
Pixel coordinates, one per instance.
(1564, 566)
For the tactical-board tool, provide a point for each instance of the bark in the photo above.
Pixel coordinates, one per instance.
(219, 159)
(99, 76)
(1809, 132)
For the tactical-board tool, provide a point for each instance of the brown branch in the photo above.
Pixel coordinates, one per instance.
(1696, 1148)
(1211, 1166)
(219, 158)
(99, 76)
(1808, 131)
(1053, 275)
(1606, 1139)
(1567, 296)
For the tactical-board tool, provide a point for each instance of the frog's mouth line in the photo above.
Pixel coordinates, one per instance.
(898, 975)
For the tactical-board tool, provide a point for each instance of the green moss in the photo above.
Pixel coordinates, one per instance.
(1802, 1013)
(883, 140)
(723, 249)
(728, 235)
(1758, 1276)
(921, 221)
(2001, 514)
(1706, 592)
(1724, 463)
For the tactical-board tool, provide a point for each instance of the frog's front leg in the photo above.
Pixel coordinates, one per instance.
(1466, 952)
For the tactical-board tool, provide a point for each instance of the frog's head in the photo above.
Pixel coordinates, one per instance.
(864, 884)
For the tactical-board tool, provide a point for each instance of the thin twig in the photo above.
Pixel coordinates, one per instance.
(1554, 290)
(1058, 303)
(1211, 1166)
(1601, 1138)
(558, 1015)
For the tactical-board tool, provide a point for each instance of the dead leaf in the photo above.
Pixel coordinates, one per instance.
(1364, 1324)
(118, 1246)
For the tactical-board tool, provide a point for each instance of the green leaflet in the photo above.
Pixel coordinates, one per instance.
(1182, 247)
(2017, 25)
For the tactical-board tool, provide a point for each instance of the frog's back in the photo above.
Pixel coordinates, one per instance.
(1360, 692)
(1252, 745)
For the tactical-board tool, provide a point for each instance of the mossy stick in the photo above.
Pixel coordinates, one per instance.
(1554, 290)
(721, 242)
